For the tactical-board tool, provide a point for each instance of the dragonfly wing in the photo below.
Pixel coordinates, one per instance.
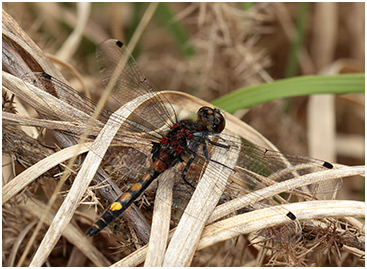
(258, 167)
(156, 112)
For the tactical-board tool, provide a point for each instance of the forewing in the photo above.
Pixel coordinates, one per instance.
(156, 112)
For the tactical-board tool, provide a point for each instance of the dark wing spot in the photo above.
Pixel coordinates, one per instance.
(45, 75)
(119, 43)
(291, 215)
(328, 165)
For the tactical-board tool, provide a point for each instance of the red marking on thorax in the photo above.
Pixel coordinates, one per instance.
(180, 149)
(177, 137)
(188, 133)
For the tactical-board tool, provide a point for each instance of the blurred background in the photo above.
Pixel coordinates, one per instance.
(212, 49)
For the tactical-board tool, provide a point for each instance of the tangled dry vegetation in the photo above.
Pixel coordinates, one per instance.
(229, 46)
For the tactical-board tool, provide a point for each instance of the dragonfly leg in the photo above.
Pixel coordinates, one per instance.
(206, 153)
(188, 164)
(203, 136)
(218, 144)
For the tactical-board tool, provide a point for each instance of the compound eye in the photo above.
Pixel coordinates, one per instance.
(219, 121)
(204, 112)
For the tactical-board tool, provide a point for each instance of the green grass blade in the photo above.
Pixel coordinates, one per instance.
(298, 86)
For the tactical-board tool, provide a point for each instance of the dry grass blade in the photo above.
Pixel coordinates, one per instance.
(161, 220)
(254, 221)
(32, 173)
(134, 259)
(24, 52)
(322, 123)
(325, 27)
(206, 196)
(18, 242)
(41, 100)
(321, 131)
(285, 186)
(75, 128)
(71, 44)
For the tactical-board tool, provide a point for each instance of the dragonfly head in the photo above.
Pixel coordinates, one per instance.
(212, 118)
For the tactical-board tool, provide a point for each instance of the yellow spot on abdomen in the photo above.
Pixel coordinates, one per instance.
(115, 206)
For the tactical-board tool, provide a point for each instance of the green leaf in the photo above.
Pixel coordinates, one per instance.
(298, 86)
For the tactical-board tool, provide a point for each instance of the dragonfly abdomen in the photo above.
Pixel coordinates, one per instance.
(128, 197)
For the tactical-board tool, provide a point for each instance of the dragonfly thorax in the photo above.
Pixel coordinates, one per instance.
(187, 134)
(175, 141)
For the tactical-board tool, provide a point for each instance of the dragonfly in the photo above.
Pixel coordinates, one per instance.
(174, 142)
